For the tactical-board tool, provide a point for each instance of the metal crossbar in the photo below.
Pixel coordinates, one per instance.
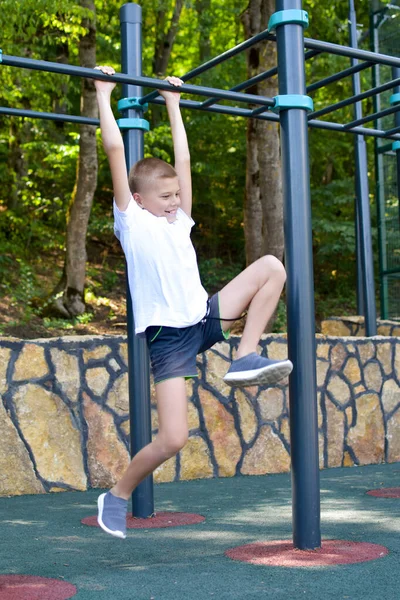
(215, 61)
(392, 131)
(337, 76)
(257, 79)
(52, 67)
(372, 92)
(35, 114)
(215, 95)
(378, 115)
(226, 110)
(366, 55)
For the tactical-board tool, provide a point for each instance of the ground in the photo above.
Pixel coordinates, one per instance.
(44, 537)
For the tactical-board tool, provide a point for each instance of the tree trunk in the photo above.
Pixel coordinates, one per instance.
(165, 40)
(72, 302)
(16, 165)
(263, 206)
(203, 9)
(162, 49)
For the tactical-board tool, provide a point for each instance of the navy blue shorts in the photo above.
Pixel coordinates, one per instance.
(173, 350)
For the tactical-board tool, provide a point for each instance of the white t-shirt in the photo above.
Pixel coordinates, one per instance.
(163, 275)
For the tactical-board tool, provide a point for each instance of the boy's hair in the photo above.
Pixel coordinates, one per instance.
(146, 171)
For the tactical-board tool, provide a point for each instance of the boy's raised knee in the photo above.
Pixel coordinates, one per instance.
(273, 266)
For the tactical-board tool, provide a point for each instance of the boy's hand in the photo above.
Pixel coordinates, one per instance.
(172, 96)
(105, 86)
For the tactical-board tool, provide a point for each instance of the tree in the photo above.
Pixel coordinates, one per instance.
(263, 211)
(72, 302)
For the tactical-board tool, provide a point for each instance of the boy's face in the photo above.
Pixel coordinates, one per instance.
(161, 198)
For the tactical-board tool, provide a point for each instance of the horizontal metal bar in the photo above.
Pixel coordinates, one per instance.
(379, 133)
(373, 117)
(374, 57)
(41, 65)
(225, 110)
(216, 60)
(356, 98)
(258, 111)
(338, 76)
(257, 79)
(34, 114)
(245, 112)
(394, 130)
(191, 104)
(242, 86)
(394, 271)
(385, 147)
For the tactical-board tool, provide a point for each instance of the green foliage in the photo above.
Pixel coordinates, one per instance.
(38, 158)
(215, 274)
(18, 281)
(280, 323)
(83, 319)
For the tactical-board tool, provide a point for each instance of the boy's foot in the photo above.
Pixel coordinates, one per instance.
(254, 369)
(112, 514)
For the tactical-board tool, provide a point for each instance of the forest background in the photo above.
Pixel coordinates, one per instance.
(61, 268)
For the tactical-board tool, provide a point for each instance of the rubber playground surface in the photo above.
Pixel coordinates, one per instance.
(43, 536)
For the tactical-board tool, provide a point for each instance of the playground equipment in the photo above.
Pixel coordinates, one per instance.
(293, 108)
(385, 21)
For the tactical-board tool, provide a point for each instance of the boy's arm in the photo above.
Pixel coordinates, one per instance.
(181, 146)
(112, 141)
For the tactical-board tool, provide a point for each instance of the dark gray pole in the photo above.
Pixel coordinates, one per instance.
(357, 115)
(300, 287)
(139, 372)
(396, 90)
(364, 253)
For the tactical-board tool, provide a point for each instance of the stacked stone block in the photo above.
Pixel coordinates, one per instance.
(354, 326)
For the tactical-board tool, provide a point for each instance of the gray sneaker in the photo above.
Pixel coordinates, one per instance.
(257, 370)
(112, 514)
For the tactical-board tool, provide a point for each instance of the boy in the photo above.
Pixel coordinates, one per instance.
(152, 211)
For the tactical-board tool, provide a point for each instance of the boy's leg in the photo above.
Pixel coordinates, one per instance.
(257, 288)
(172, 436)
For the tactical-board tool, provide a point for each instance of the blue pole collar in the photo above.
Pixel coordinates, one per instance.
(134, 102)
(395, 99)
(396, 146)
(133, 124)
(282, 17)
(286, 101)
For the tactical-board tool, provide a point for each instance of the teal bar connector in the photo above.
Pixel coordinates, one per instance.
(286, 101)
(395, 99)
(396, 146)
(134, 102)
(1, 56)
(299, 17)
(133, 124)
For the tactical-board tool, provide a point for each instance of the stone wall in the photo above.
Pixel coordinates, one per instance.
(354, 326)
(64, 413)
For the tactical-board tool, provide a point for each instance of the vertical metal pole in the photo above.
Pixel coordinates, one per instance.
(379, 170)
(363, 215)
(359, 275)
(300, 287)
(138, 360)
(396, 90)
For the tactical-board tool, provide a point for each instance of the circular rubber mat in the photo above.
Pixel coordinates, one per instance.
(159, 520)
(30, 587)
(385, 492)
(281, 553)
